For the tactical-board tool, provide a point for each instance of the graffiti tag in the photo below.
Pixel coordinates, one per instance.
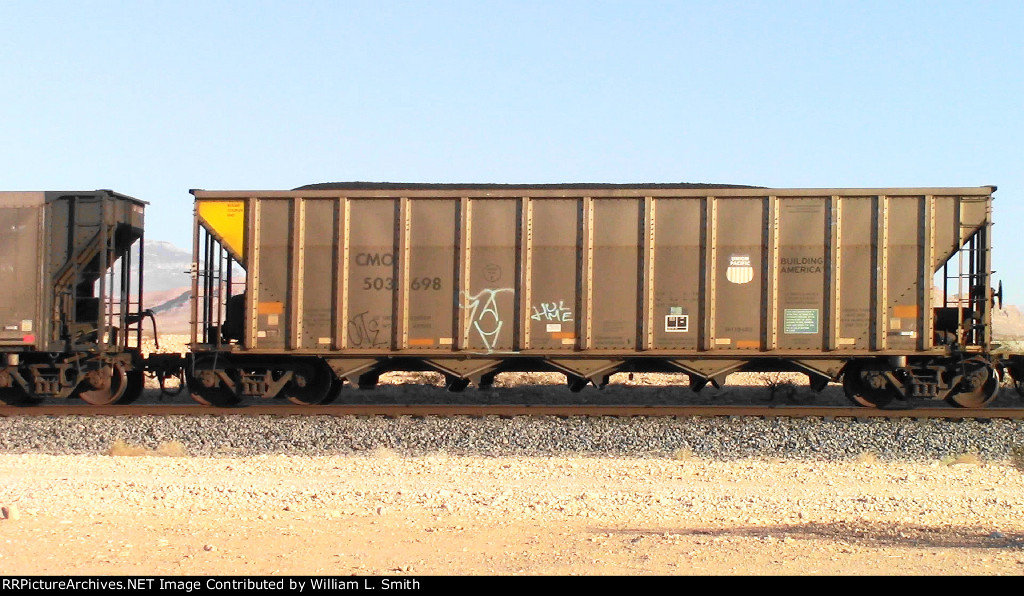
(552, 311)
(484, 315)
(364, 332)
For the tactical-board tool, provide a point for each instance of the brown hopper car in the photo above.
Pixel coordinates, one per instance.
(887, 289)
(70, 281)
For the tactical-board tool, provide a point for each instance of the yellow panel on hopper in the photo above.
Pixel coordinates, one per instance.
(226, 220)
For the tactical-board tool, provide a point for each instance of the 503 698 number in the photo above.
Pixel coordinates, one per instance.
(388, 283)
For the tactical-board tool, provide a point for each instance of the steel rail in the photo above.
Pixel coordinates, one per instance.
(428, 410)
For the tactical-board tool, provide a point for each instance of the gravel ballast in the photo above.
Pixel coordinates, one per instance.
(712, 437)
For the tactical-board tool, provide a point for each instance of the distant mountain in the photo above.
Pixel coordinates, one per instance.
(1008, 323)
(167, 267)
(168, 285)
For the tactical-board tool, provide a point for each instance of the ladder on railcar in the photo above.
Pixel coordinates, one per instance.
(969, 301)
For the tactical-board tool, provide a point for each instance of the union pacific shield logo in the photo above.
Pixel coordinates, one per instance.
(740, 271)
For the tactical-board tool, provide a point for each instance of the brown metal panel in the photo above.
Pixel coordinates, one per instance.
(904, 258)
(525, 263)
(555, 315)
(21, 284)
(489, 302)
(400, 337)
(946, 231)
(770, 316)
(432, 250)
(319, 272)
(252, 280)
(802, 272)
(925, 320)
(296, 273)
(48, 328)
(465, 262)
(678, 272)
(975, 213)
(275, 258)
(855, 269)
(646, 274)
(587, 275)
(104, 238)
(881, 259)
(835, 272)
(617, 225)
(710, 274)
(342, 265)
(737, 273)
(371, 278)
(467, 368)
(194, 274)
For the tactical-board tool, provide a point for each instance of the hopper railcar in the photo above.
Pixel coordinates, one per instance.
(886, 289)
(70, 287)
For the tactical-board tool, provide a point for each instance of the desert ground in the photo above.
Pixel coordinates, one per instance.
(384, 514)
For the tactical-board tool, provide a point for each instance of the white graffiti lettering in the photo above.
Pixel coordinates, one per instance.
(552, 311)
(484, 314)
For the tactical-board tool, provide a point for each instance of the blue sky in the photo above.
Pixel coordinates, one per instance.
(154, 98)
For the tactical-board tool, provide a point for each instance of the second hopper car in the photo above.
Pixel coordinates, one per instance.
(886, 289)
(70, 296)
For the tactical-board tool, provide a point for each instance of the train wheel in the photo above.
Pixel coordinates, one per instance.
(1017, 376)
(311, 384)
(220, 397)
(866, 387)
(336, 386)
(985, 381)
(136, 384)
(105, 385)
(16, 396)
(206, 386)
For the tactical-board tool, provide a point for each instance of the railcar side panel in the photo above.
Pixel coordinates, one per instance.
(555, 297)
(427, 283)
(904, 260)
(855, 268)
(274, 244)
(371, 274)
(801, 314)
(489, 272)
(738, 264)
(320, 238)
(677, 270)
(613, 263)
(944, 229)
(21, 222)
(725, 272)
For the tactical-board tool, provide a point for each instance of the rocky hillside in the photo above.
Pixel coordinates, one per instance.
(167, 267)
(168, 285)
(1008, 323)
